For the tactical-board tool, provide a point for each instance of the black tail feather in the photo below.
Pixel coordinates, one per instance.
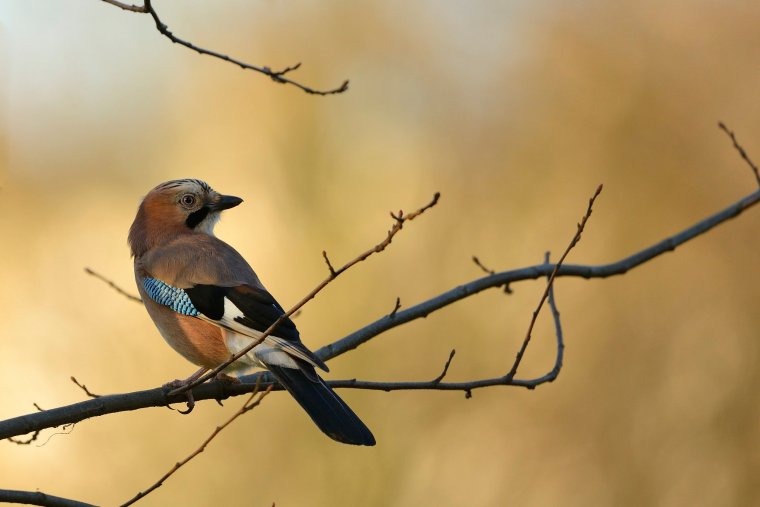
(324, 406)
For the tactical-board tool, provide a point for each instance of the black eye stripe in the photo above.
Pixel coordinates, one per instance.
(196, 217)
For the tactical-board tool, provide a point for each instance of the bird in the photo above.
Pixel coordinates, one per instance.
(208, 303)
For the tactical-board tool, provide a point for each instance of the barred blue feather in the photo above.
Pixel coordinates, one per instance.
(174, 298)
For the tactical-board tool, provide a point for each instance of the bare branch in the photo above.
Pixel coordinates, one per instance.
(276, 76)
(396, 307)
(329, 265)
(158, 397)
(127, 7)
(463, 291)
(469, 386)
(334, 273)
(481, 266)
(440, 377)
(550, 282)
(507, 288)
(251, 403)
(38, 498)
(557, 333)
(84, 388)
(113, 285)
(741, 151)
(27, 441)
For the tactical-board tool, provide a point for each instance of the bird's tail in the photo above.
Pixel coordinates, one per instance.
(324, 406)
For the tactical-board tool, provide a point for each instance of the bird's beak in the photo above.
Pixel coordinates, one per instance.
(225, 202)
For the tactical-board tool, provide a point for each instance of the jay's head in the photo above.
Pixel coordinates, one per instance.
(176, 207)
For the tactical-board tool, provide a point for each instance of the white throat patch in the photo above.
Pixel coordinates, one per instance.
(208, 223)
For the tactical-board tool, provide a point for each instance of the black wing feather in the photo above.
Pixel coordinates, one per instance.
(260, 310)
(208, 299)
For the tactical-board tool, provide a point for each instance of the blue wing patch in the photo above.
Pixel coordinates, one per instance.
(174, 298)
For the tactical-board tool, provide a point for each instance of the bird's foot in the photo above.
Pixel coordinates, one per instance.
(180, 383)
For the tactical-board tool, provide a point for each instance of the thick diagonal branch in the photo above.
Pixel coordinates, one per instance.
(466, 290)
(38, 498)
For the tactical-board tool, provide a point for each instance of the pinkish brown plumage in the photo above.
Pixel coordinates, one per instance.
(208, 303)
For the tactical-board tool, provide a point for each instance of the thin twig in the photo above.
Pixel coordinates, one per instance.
(440, 377)
(66, 429)
(550, 282)
(27, 441)
(84, 388)
(127, 7)
(479, 264)
(507, 288)
(741, 151)
(277, 76)
(334, 273)
(327, 261)
(251, 403)
(396, 307)
(113, 285)
(557, 333)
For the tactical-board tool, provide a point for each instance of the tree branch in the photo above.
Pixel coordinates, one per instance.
(476, 260)
(276, 76)
(127, 7)
(38, 498)
(113, 285)
(469, 386)
(550, 282)
(84, 388)
(251, 403)
(440, 377)
(740, 149)
(619, 267)
(29, 423)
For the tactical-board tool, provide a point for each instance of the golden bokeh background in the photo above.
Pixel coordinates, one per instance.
(514, 111)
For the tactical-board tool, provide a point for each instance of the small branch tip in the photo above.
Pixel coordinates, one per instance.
(329, 264)
(395, 307)
(84, 388)
(739, 148)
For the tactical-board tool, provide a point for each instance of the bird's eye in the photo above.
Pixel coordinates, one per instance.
(187, 200)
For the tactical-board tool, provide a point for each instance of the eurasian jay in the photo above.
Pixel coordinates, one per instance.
(208, 303)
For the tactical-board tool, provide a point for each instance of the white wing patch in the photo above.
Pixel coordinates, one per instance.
(273, 350)
(261, 355)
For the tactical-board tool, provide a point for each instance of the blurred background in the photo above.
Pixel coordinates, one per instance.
(515, 112)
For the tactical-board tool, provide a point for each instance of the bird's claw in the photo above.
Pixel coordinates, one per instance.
(176, 384)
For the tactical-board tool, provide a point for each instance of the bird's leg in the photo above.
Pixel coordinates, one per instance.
(229, 379)
(178, 383)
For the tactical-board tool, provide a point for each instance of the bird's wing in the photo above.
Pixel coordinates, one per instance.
(244, 309)
(192, 259)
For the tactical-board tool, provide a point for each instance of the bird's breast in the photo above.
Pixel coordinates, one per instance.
(199, 342)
